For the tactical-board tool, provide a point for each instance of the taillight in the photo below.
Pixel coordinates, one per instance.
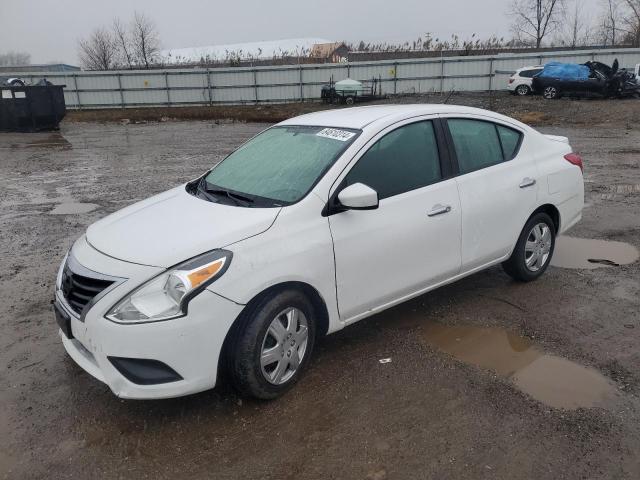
(574, 159)
(511, 80)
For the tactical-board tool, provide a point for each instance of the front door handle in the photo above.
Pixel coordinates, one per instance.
(527, 182)
(439, 210)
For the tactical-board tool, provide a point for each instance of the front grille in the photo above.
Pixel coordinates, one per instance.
(79, 290)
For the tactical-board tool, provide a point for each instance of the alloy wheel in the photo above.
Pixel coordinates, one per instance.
(538, 247)
(284, 346)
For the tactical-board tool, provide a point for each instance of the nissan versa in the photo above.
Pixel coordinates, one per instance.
(314, 224)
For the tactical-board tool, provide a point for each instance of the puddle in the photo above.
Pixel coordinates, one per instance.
(72, 208)
(572, 252)
(43, 140)
(552, 380)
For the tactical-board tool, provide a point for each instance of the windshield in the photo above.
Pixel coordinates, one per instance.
(281, 164)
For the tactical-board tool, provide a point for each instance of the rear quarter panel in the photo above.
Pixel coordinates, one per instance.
(561, 182)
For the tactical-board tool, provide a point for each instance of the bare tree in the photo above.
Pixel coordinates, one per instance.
(631, 22)
(534, 20)
(122, 39)
(145, 40)
(99, 51)
(14, 59)
(577, 29)
(609, 22)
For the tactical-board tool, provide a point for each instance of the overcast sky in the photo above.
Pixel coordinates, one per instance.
(49, 29)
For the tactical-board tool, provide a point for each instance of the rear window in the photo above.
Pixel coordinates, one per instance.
(480, 144)
(476, 143)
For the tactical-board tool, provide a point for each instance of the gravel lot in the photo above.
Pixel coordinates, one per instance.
(431, 412)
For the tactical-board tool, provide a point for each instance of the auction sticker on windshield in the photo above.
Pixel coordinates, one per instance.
(336, 134)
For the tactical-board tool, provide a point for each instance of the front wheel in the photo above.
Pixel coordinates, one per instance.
(274, 344)
(533, 252)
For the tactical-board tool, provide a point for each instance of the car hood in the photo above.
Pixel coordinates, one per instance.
(174, 226)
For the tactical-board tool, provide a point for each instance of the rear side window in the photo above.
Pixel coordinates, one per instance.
(403, 160)
(530, 73)
(510, 140)
(476, 144)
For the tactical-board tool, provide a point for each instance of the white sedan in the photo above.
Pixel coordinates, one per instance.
(314, 224)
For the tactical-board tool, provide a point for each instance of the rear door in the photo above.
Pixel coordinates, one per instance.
(497, 186)
(412, 240)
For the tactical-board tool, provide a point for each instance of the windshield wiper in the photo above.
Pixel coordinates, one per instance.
(222, 192)
(228, 194)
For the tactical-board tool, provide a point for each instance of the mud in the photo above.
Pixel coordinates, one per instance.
(425, 414)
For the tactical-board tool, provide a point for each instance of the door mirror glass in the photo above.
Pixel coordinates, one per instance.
(358, 197)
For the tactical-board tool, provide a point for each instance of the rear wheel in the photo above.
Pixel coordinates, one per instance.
(534, 249)
(550, 93)
(274, 344)
(523, 90)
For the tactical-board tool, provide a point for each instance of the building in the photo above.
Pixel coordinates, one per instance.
(333, 52)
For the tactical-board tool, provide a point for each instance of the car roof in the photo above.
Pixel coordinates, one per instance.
(360, 117)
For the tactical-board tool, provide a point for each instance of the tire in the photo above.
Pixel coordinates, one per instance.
(350, 100)
(550, 92)
(259, 333)
(533, 245)
(522, 90)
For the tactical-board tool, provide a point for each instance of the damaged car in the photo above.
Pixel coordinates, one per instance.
(591, 79)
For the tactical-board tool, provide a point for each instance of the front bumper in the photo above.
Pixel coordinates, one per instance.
(190, 345)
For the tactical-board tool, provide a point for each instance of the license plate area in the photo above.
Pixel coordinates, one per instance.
(63, 319)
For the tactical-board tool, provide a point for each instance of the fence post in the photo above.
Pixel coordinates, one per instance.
(119, 75)
(166, 84)
(255, 84)
(209, 87)
(348, 70)
(491, 74)
(395, 78)
(441, 73)
(301, 84)
(75, 86)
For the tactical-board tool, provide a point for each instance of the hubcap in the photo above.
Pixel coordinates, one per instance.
(284, 346)
(522, 90)
(538, 247)
(550, 92)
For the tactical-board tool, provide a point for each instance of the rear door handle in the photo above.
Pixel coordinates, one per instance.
(439, 210)
(527, 182)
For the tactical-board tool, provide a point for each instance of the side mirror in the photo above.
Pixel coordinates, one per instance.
(358, 197)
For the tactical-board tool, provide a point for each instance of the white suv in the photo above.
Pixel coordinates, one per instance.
(520, 81)
(314, 224)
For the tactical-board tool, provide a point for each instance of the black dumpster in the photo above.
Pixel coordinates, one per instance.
(31, 108)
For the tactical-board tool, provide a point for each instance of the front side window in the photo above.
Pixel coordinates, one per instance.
(476, 144)
(280, 165)
(403, 160)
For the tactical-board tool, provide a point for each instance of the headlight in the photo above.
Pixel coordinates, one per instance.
(167, 295)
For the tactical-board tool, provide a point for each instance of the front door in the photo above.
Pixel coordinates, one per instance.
(412, 240)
